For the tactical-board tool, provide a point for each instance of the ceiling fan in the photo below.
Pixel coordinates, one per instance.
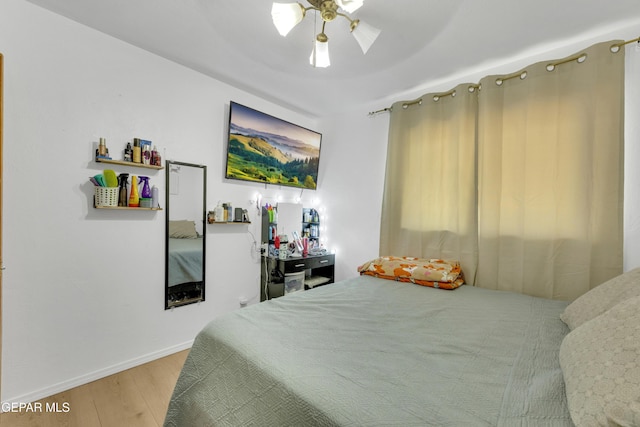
(287, 15)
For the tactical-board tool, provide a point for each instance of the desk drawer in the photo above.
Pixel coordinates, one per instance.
(321, 261)
(300, 264)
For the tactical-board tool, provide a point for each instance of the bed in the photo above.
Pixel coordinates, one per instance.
(184, 255)
(185, 260)
(374, 352)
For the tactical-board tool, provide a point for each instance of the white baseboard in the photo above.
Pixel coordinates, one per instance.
(96, 375)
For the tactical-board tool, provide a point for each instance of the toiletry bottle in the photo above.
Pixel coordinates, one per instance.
(154, 156)
(122, 194)
(146, 153)
(134, 197)
(137, 155)
(146, 190)
(284, 247)
(155, 197)
(102, 147)
(128, 153)
(219, 213)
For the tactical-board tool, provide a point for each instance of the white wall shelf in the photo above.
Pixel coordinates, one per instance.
(128, 208)
(132, 164)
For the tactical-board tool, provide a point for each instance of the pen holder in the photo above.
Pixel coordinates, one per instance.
(106, 196)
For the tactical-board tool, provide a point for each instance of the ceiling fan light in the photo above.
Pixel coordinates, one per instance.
(364, 34)
(286, 16)
(320, 54)
(349, 6)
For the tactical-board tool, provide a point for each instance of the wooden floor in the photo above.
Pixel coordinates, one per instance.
(132, 398)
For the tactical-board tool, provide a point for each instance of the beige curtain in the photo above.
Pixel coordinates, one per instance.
(551, 176)
(429, 207)
(547, 218)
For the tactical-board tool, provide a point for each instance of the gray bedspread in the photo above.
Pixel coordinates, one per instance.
(373, 352)
(185, 261)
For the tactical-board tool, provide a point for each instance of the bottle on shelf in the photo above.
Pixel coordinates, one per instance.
(219, 213)
(155, 197)
(134, 197)
(128, 153)
(145, 148)
(102, 147)
(137, 153)
(102, 152)
(122, 195)
(155, 157)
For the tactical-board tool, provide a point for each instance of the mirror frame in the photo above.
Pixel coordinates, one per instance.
(168, 165)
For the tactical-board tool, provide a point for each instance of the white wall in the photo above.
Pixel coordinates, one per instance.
(632, 158)
(352, 186)
(83, 290)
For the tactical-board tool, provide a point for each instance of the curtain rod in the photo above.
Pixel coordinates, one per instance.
(522, 74)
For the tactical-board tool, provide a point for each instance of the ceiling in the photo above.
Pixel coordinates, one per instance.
(421, 41)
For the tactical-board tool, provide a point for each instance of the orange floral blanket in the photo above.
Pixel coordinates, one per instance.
(437, 273)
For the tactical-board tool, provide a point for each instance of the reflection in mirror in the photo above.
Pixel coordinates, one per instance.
(185, 234)
(289, 219)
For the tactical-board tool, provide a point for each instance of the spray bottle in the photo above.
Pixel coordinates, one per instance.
(146, 190)
(122, 195)
(134, 197)
(145, 193)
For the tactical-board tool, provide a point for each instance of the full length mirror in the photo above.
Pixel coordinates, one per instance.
(185, 234)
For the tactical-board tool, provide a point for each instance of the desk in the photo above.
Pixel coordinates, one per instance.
(318, 270)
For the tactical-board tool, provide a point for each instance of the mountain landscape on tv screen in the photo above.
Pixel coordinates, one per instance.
(259, 156)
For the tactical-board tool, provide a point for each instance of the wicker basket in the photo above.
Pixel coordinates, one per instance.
(106, 196)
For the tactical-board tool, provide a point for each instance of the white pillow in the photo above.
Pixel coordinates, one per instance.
(183, 229)
(600, 361)
(602, 298)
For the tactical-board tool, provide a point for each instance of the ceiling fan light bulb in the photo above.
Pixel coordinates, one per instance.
(364, 34)
(286, 16)
(349, 6)
(320, 54)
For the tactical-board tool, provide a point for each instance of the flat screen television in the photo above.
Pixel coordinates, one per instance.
(262, 148)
